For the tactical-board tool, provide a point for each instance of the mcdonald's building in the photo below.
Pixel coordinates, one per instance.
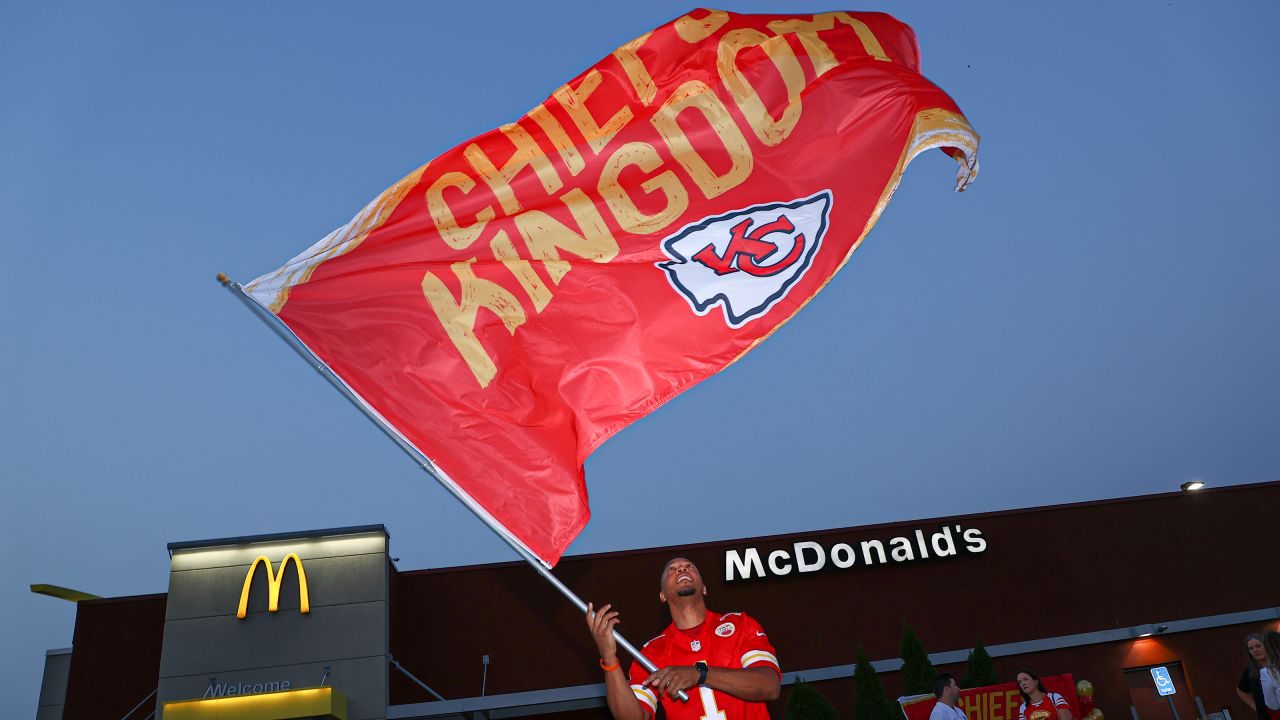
(322, 624)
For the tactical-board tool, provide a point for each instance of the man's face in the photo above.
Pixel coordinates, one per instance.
(952, 692)
(680, 578)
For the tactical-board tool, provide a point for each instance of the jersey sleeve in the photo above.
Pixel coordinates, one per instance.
(1022, 711)
(644, 695)
(1059, 701)
(755, 648)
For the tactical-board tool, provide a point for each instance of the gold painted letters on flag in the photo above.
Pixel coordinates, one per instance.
(597, 117)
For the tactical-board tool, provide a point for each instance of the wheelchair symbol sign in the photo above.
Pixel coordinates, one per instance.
(1164, 683)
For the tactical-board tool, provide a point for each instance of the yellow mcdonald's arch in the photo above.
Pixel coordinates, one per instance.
(273, 584)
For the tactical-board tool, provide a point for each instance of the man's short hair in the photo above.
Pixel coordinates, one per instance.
(942, 682)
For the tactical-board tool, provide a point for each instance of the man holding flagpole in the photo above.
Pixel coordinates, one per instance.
(507, 307)
(725, 661)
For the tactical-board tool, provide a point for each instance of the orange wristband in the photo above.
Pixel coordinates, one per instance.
(609, 668)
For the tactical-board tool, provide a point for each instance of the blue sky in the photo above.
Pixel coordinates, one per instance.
(1098, 316)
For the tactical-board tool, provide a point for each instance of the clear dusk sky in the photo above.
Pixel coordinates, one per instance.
(1098, 316)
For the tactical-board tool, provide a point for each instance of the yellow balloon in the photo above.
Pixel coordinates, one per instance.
(1094, 714)
(1084, 688)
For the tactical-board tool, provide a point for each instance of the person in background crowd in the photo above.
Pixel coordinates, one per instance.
(1270, 675)
(1038, 703)
(947, 691)
(1250, 687)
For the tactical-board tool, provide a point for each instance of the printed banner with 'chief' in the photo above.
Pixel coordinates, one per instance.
(995, 702)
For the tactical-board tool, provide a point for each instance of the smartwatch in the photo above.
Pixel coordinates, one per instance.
(701, 666)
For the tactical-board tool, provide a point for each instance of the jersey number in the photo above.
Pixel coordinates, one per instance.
(709, 705)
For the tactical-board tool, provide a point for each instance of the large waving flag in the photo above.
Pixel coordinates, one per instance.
(510, 305)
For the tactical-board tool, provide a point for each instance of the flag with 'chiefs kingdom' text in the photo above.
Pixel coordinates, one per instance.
(511, 304)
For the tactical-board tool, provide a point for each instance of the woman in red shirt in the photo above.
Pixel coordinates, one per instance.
(1038, 703)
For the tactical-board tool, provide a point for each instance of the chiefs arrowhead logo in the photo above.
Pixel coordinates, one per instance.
(747, 260)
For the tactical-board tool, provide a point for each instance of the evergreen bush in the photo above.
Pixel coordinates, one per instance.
(869, 699)
(978, 670)
(917, 672)
(806, 703)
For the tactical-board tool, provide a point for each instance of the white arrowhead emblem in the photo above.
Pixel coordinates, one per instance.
(746, 260)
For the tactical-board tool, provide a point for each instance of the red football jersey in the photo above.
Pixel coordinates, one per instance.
(1046, 709)
(731, 640)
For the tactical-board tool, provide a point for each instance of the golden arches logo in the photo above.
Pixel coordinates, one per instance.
(273, 585)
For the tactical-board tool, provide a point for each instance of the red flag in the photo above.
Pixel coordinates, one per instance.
(510, 305)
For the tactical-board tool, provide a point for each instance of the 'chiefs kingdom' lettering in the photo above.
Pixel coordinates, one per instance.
(509, 208)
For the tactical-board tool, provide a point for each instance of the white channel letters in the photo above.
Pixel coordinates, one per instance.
(807, 556)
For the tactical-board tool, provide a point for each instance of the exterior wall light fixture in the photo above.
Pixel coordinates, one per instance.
(1141, 631)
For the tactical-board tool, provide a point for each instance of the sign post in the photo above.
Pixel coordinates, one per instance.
(1164, 686)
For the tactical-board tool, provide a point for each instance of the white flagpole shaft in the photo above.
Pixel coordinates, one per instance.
(424, 463)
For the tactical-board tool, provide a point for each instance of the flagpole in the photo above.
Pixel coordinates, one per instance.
(424, 463)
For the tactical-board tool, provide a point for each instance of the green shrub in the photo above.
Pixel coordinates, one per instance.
(869, 699)
(917, 672)
(978, 670)
(806, 703)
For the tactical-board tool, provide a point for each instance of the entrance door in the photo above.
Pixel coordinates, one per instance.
(1151, 705)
